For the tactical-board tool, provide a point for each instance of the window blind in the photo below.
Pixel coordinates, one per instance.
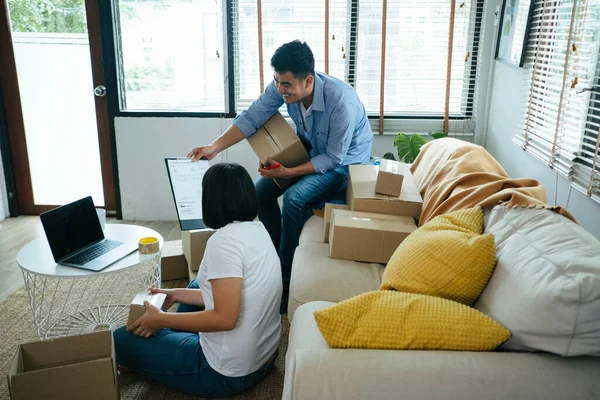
(400, 74)
(561, 118)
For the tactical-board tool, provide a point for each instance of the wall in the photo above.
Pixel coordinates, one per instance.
(509, 93)
(143, 143)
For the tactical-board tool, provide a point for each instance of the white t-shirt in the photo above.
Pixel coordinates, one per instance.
(243, 250)
(304, 113)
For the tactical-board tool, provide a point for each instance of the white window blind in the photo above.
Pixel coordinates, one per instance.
(562, 116)
(415, 69)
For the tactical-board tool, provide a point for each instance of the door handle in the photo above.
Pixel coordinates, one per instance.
(100, 91)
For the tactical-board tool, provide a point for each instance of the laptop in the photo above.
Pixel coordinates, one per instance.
(76, 238)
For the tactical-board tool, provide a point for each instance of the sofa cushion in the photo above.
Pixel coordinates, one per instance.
(316, 277)
(313, 371)
(313, 230)
(546, 285)
(447, 257)
(386, 319)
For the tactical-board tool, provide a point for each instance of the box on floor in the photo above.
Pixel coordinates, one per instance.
(368, 237)
(75, 367)
(173, 264)
(277, 140)
(194, 244)
(361, 195)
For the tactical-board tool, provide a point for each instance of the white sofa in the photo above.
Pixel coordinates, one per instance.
(314, 371)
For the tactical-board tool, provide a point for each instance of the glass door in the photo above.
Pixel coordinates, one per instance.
(58, 64)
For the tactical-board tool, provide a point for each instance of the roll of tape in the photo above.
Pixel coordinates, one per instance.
(148, 245)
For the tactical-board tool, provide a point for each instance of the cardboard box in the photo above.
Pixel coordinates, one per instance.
(137, 309)
(173, 264)
(361, 196)
(329, 207)
(75, 367)
(277, 140)
(369, 237)
(389, 178)
(194, 244)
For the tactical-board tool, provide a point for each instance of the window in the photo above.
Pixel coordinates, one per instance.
(562, 115)
(171, 55)
(417, 82)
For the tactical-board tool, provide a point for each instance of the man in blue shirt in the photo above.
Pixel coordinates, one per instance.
(330, 120)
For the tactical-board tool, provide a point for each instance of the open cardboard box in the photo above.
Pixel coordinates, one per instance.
(75, 367)
(277, 140)
(369, 237)
(361, 195)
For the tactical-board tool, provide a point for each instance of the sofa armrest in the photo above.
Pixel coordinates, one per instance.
(313, 371)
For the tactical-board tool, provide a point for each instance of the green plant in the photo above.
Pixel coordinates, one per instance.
(408, 147)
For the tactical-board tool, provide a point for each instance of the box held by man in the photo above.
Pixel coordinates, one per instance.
(277, 140)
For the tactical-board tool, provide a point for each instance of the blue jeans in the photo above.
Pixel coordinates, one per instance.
(311, 191)
(175, 358)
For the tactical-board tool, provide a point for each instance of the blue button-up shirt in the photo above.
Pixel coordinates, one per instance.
(337, 126)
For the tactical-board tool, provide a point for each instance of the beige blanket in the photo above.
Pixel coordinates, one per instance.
(453, 175)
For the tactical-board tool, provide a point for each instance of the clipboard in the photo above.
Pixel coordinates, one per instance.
(185, 177)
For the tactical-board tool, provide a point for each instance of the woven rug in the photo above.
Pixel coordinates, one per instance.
(17, 326)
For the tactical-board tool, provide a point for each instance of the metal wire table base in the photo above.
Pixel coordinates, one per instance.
(71, 306)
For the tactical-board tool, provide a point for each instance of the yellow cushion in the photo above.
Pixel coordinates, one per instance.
(385, 319)
(447, 257)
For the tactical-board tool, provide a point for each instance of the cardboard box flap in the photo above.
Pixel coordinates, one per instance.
(66, 350)
(93, 379)
(278, 129)
(293, 155)
(364, 178)
(263, 144)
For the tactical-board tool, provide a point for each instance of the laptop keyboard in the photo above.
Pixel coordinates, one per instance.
(93, 252)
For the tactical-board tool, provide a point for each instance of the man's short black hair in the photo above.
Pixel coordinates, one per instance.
(295, 57)
(228, 195)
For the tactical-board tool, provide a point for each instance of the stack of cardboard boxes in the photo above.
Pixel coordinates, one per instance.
(382, 205)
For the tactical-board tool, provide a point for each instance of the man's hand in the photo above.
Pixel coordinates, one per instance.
(169, 301)
(208, 152)
(270, 168)
(148, 323)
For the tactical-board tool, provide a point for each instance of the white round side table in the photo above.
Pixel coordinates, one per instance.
(69, 301)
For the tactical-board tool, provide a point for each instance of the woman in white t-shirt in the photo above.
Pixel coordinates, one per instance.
(224, 337)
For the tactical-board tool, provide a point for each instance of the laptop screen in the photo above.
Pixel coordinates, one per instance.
(71, 227)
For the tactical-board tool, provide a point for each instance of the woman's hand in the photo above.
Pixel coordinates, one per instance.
(171, 297)
(149, 323)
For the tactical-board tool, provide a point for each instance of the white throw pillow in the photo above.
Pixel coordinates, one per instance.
(546, 285)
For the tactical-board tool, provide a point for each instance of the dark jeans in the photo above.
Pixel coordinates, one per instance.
(175, 358)
(311, 191)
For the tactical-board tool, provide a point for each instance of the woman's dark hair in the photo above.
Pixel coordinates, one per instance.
(228, 195)
(295, 57)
